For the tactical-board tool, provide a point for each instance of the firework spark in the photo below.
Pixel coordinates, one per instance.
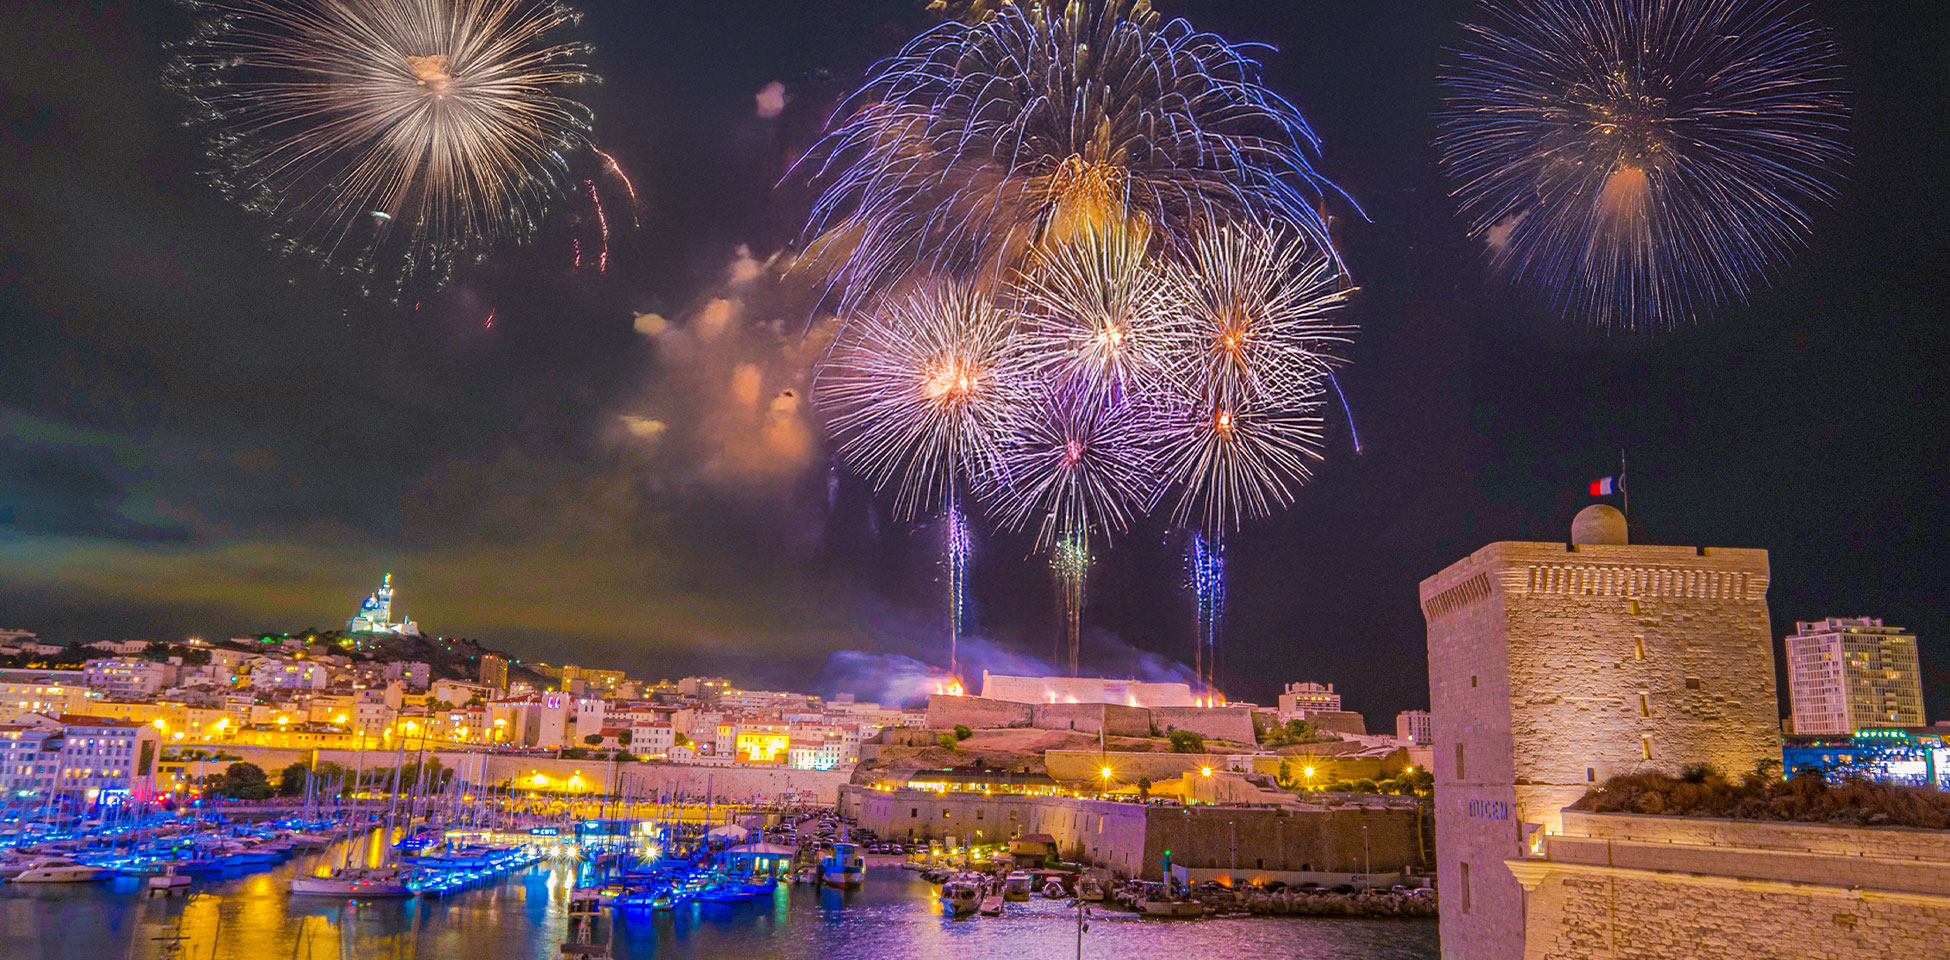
(920, 392)
(414, 132)
(1074, 466)
(1638, 161)
(1095, 308)
(602, 222)
(1252, 314)
(980, 140)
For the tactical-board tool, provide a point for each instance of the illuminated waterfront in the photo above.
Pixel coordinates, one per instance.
(894, 916)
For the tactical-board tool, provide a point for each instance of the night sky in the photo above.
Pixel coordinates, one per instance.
(201, 437)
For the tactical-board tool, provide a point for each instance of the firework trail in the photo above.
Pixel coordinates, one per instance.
(920, 392)
(1206, 565)
(980, 140)
(616, 169)
(1637, 161)
(959, 549)
(414, 133)
(602, 221)
(1252, 326)
(1070, 560)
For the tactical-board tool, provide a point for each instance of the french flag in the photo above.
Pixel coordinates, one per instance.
(1604, 488)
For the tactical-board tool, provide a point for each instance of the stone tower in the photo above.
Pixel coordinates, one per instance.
(1553, 666)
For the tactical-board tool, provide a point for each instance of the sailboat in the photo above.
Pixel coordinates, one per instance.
(364, 882)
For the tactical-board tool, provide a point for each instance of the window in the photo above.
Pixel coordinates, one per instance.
(1472, 681)
(1638, 648)
(1591, 774)
(913, 813)
(1632, 607)
(1459, 761)
(1692, 683)
(1645, 706)
(1645, 746)
(1465, 887)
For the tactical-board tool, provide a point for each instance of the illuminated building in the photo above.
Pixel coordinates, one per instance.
(763, 747)
(79, 760)
(41, 691)
(376, 614)
(494, 671)
(1910, 758)
(126, 677)
(1852, 673)
(1302, 700)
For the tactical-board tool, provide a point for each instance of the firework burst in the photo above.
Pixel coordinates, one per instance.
(980, 140)
(1640, 160)
(920, 392)
(1073, 466)
(406, 132)
(1252, 329)
(1094, 307)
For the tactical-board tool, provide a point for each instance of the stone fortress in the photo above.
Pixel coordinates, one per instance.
(1554, 666)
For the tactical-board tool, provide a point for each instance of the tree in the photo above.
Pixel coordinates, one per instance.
(575, 753)
(1144, 788)
(477, 701)
(1186, 741)
(436, 706)
(682, 741)
(962, 732)
(244, 781)
(292, 780)
(594, 739)
(626, 736)
(948, 742)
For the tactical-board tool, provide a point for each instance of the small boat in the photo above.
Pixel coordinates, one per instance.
(959, 898)
(169, 879)
(1016, 886)
(992, 905)
(844, 868)
(1170, 908)
(1053, 889)
(60, 870)
(1090, 890)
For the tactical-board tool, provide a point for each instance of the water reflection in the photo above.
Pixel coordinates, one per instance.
(895, 917)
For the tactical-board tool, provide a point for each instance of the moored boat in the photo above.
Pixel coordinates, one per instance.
(60, 870)
(844, 868)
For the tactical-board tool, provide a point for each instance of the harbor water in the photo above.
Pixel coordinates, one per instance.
(525, 915)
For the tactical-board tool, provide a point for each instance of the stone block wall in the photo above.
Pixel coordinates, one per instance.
(975, 712)
(1222, 723)
(1622, 887)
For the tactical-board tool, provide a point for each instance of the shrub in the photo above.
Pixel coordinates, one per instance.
(1185, 741)
(962, 732)
(1805, 798)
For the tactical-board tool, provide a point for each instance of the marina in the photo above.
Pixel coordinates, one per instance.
(528, 912)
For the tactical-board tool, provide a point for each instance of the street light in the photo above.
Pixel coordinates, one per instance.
(1106, 772)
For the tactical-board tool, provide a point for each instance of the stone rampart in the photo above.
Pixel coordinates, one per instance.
(1625, 887)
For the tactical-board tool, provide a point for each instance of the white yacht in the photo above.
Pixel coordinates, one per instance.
(1016, 885)
(60, 870)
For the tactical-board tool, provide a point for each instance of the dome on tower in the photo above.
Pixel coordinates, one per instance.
(1599, 523)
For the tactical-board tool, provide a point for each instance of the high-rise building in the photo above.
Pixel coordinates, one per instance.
(494, 671)
(1415, 726)
(1847, 674)
(1555, 666)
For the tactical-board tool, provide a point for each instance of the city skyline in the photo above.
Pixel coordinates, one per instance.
(204, 439)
